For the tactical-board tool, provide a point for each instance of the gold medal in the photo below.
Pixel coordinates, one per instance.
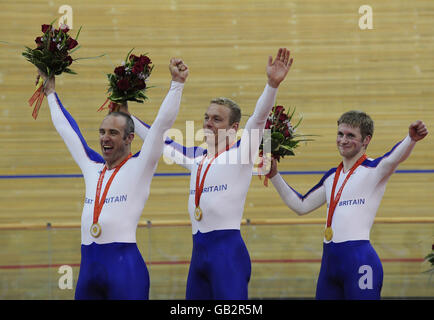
(328, 233)
(95, 230)
(198, 213)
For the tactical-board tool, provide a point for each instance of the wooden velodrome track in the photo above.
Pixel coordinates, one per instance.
(387, 71)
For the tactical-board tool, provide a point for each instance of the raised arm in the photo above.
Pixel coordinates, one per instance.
(173, 152)
(388, 163)
(154, 141)
(276, 73)
(67, 127)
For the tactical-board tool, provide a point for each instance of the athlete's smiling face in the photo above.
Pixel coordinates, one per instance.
(216, 123)
(350, 142)
(115, 145)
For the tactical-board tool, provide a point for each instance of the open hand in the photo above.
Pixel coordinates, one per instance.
(278, 69)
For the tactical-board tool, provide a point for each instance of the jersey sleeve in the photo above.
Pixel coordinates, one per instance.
(387, 164)
(173, 152)
(140, 128)
(153, 144)
(184, 156)
(68, 129)
(254, 128)
(301, 204)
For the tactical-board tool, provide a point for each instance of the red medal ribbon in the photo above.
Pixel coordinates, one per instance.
(334, 200)
(200, 184)
(99, 204)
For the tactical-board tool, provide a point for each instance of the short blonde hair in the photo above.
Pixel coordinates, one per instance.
(235, 115)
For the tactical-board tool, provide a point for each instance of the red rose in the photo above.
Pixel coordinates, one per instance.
(119, 71)
(286, 133)
(141, 85)
(38, 41)
(45, 27)
(278, 109)
(123, 84)
(144, 60)
(268, 124)
(137, 68)
(69, 60)
(64, 28)
(72, 43)
(134, 58)
(283, 116)
(53, 46)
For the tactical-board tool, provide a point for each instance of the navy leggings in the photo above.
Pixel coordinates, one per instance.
(113, 271)
(350, 270)
(220, 267)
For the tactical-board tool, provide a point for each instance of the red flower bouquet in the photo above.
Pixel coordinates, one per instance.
(282, 138)
(128, 81)
(51, 56)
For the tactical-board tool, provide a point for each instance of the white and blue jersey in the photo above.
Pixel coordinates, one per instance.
(229, 176)
(222, 202)
(129, 191)
(349, 254)
(360, 199)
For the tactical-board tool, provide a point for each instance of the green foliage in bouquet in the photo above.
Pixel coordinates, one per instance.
(283, 138)
(430, 258)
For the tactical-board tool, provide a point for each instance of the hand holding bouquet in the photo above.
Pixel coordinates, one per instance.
(281, 139)
(51, 56)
